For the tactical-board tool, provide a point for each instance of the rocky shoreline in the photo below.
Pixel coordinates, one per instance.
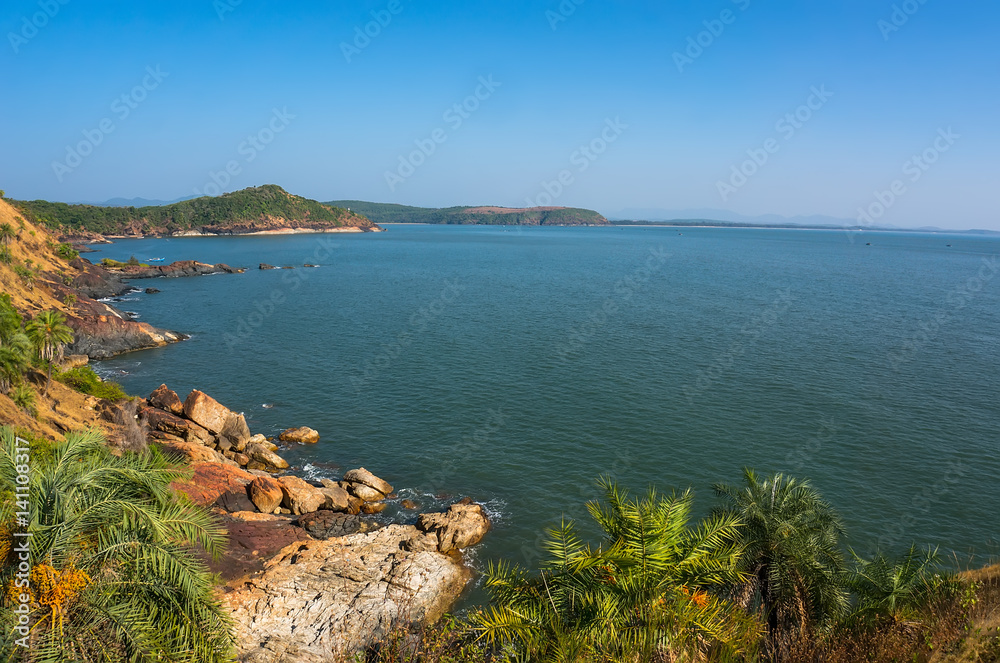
(310, 574)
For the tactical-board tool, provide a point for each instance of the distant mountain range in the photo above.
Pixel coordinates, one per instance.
(383, 213)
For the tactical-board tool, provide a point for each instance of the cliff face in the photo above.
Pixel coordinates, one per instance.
(39, 278)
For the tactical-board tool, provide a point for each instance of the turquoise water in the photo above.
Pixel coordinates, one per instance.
(517, 366)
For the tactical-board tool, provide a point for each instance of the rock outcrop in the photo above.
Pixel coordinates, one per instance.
(317, 600)
(301, 435)
(166, 399)
(173, 270)
(265, 493)
(463, 525)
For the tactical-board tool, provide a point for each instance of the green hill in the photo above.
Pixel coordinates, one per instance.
(533, 216)
(256, 209)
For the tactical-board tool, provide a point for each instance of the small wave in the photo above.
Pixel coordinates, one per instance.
(267, 406)
(311, 472)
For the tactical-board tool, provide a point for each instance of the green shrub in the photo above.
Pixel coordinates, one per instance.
(67, 252)
(69, 299)
(6, 257)
(118, 264)
(26, 275)
(24, 397)
(86, 381)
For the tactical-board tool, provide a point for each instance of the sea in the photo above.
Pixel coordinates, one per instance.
(520, 365)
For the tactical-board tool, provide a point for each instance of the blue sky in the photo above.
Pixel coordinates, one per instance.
(661, 130)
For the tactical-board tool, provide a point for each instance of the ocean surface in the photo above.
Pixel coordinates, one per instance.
(517, 366)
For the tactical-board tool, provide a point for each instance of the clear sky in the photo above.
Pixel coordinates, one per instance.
(671, 101)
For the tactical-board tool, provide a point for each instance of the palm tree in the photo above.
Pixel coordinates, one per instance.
(15, 357)
(896, 589)
(114, 576)
(792, 560)
(7, 233)
(646, 593)
(50, 334)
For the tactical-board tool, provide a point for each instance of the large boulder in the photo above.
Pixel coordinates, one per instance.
(236, 432)
(234, 501)
(211, 480)
(206, 411)
(366, 478)
(366, 493)
(264, 455)
(166, 422)
(193, 452)
(323, 600)
(337, 498)
(461, 526)
(265, 493)
(166, 399)
(301, 435)
(298, 496)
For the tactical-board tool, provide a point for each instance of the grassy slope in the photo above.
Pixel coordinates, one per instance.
(392, 213)
(64, 409)
(268, 205)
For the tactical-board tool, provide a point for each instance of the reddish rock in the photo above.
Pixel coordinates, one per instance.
(193, 452)
(166, 399)
(302, 435)
(373, 507)
(211, 480)
(252, 542)
(206, 411)
(265, 493)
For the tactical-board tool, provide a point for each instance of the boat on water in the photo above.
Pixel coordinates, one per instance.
(154, 259)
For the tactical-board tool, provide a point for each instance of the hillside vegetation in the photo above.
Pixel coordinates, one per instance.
(534, 216)
(255, 209)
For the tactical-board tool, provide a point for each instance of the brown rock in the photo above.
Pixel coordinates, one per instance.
(327, 525)
(337, 498)
(235, 500)
(265, 493)
(367, 493)
(366, 478)
(166, 399)
(409, 505)
(373, 507)
(265, 457)
(211, 480)
(463, 525)
(236, 431)
(354, 505)
(192, 452)
(300, 435)
(241, 459)
(166, 422)
(206, 411)
(298, 496)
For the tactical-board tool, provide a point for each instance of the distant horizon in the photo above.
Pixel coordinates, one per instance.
(761, 221)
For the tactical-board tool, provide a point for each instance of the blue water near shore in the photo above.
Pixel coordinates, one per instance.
(517, 366)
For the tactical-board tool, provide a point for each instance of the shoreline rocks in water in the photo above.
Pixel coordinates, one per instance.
(301, 435)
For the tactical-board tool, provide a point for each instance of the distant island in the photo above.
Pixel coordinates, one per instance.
(483, 215)
(263, 209)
